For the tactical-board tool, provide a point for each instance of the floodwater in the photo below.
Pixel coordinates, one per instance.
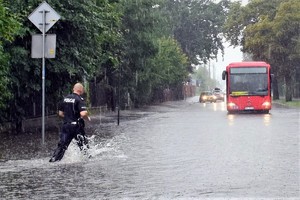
(177, 150)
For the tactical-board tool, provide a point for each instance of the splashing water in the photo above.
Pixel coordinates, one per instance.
(98, 149)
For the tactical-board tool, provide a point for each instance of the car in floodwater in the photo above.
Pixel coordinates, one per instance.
(207, 96)
(218, 93)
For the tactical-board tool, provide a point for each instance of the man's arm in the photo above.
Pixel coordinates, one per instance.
(83, 110)
(61, 114)
(60, 110)
(84, 115)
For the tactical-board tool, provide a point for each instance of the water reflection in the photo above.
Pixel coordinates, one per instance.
(267, 119)
(219, 106)
(230, 118)
(215, 106)
(223, 106)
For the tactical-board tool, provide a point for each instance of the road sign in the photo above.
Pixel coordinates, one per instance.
(36, 17)
(50, 45)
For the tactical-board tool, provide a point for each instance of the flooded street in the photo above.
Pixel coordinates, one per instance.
(177, 150)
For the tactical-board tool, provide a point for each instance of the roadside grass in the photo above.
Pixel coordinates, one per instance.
(293, 103)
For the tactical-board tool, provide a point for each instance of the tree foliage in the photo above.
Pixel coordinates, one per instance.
(138, 47)
(204, 80)
(82, 34)
(198, 27)
(269, 30)
(144, 45)
(9, 26)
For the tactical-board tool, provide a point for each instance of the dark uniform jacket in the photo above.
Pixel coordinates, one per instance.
(72, 105)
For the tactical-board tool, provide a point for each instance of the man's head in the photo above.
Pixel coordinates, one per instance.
(78, 89)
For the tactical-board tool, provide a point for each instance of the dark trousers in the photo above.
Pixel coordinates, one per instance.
(68, 132)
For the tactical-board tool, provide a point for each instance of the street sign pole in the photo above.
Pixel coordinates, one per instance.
(44, 8)
(43, 78)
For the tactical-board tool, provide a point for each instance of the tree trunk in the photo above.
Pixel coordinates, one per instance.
(289, 87)
(18, 126)
(297, 84)
(275, 88)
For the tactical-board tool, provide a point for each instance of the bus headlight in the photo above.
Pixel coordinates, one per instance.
(232, 105)
(266, 104)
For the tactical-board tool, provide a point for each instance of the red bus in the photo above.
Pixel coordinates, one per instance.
(248, 86)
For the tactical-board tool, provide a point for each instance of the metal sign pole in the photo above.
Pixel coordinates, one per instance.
(47, 23)
(119, 77)
(43, 80)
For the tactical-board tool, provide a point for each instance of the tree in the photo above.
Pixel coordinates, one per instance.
(195, 25)
(82, 34)
(140, 30)
(169, 67)
(269, 30)
(8, 29)
(286, 42)
(144, 43)
(202, 75)
(198, 27)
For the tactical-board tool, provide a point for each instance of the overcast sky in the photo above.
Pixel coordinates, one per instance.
(230, 55)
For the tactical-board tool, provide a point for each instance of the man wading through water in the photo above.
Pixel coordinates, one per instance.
(73, 110)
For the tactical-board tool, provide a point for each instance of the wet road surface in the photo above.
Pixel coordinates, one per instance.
(178, 150)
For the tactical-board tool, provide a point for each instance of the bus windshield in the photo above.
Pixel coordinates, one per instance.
(248, 81)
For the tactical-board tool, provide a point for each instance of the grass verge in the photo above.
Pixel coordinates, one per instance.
(294, 103)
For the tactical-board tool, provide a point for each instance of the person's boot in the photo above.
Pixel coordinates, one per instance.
(83, 144)
(58, 154)
(80, 141)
